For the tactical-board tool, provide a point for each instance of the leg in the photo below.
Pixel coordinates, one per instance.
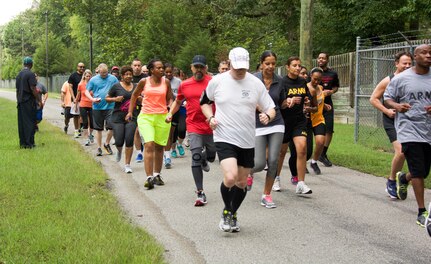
(397, 161)
(274, 146)
(301, 152)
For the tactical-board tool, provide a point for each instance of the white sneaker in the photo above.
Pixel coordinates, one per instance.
(302, 188)
(127, 169)
(276, 185)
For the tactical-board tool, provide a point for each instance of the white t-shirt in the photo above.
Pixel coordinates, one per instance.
(236, 102)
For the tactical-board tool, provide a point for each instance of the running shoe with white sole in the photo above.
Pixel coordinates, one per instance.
(149, 184)
(157, 180)
(249, 182)
(401, 187)
(225, 221)
(201, 200)
(127, 169)
(315, 168)
(421, 220)
(302, 188)
(391, 189)
(108, 149)
(276, 186)
(267, 201)
(99, 152)
(234, 227)
(168, 163)
(294, 180)
(139, 158)
(181, 150)
(76, 134)
(174, 154)
(205, 166)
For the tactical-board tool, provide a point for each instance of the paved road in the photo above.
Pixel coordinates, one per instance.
(347, 219)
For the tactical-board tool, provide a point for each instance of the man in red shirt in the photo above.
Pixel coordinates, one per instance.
(200, 134)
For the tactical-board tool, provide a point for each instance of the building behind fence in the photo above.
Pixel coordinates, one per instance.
(55, 82)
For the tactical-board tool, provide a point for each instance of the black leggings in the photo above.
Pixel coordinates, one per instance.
(292, 159)
(124, 132)
(180, 128)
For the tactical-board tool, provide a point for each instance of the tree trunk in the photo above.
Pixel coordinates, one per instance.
(305, 39)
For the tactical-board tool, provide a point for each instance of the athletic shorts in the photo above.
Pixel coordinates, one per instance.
(87, 117)
(244, 157)
(153, 128)
(102, 119)
(389, 126)
(67, 113)
(294, 127)
(329, 120)
(418, 156)
(320, 129)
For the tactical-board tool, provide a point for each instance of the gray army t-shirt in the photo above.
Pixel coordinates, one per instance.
(414, 89)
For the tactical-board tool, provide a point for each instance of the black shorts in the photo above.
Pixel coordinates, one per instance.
(294, 127)
(244, 157)
(320, 129)
(418, 156)
(102, 119)
(329, 120)
(389, 126)
(67, 113)
(87, 117)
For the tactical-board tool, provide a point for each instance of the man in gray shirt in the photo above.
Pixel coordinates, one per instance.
(409, 93)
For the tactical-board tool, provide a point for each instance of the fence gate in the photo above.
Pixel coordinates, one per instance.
(375, 61)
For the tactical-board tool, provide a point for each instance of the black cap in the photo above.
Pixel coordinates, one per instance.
(199, 60)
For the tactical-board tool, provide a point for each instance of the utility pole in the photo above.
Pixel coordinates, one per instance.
(91, 45)
(22, 42)
(46, 51)
(305, 39)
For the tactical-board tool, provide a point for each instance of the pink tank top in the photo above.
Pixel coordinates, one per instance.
(154, 97)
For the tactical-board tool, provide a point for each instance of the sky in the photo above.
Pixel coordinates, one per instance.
(13, 8)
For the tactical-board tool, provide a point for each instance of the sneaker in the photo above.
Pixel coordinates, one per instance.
(428, 221)
(174, 154)
(391, 189)
(201, 200)
(149, 184)
(225, 221)
(91, 138)
(127, 169)
(266, 167)
(99, 152)
(294, 180)
(401, 187)
(315, 167)
(205, 166)
(65, 129)
(324, 159)
(234, 227)
(276, 185)
(249, 182)
(108, 149)
(267, 201)
(302, 188)
(158, 180)
(118, 156)
(421, 220)
(139, 158)
(181, 150)
(87, 143)
(76, 134)
(168, 163)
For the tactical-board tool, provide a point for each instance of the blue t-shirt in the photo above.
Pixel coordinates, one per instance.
(100, 88)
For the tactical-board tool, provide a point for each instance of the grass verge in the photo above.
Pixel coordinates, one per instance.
(344, 152)
(55, 205)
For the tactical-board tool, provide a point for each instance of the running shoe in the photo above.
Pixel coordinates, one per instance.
(302, 188)
(315, 168)
(91, 138)
(422, 219)
(127, 169)
(225, 221)
(108, 149)
(65, 129)
(266, 167)
(149, 184)
(76, 134)
(324, 159)
(201, 200)
(158, 180)
(118, 156)
(168, 163)
(181, 150)
(174, 154)
(99, 152)
(249, 182)
(205, 166)
(234, 224)
(294, 180)
(276, 186)
(391, 189)
(139, 158)
(401, 187)
(267, 201)
(87, 143)
(428, 221)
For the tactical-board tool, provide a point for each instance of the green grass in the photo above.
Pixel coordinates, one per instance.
(344, 152)
(55, 205)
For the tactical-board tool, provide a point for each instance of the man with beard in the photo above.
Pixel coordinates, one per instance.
(200, 134)
(74, 80)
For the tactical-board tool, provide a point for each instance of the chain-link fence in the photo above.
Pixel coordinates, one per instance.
(375, 61)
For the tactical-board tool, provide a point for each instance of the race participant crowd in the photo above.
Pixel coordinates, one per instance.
(248, 120)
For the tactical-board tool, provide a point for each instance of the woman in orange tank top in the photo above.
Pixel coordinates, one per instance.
(156, 95)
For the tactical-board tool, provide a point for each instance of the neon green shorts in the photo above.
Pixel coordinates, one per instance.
(153, 127)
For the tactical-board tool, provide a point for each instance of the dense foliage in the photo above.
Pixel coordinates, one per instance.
(175, 30)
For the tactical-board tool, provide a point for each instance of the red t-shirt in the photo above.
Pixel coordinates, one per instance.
(191, 90)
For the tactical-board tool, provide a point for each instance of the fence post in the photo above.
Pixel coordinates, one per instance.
(358, 39)
(352, 79)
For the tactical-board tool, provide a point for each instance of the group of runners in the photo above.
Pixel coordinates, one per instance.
(248, 120)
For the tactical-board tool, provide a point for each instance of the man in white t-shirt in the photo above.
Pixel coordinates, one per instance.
(236, 94)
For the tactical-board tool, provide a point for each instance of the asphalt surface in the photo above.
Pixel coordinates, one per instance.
(348, 218)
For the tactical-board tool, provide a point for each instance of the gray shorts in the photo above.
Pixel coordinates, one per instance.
(102, 119)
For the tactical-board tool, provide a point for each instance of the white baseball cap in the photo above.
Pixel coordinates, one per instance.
(239, 58)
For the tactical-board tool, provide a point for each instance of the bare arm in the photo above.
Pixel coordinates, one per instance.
(71, 92)
(377, 95)
(175, 106)
(402, 108)
(136, 93)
